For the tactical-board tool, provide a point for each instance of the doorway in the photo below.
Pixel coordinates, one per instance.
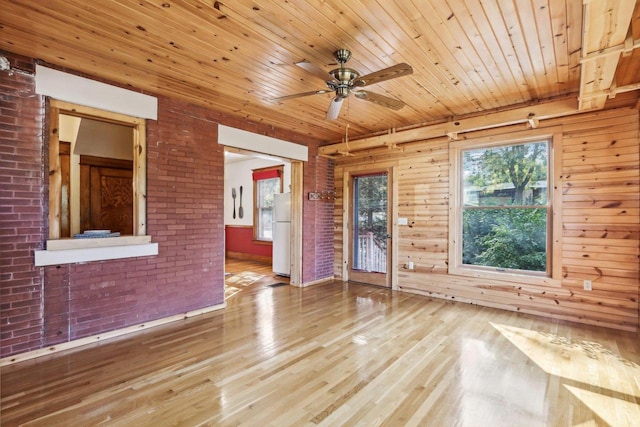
(244, 172)
(370, 228)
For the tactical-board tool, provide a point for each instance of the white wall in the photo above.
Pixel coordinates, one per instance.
(240, 174)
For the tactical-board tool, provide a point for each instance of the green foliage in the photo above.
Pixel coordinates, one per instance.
(505, 238)
(520, 165)
(514, 236)
(371, 215)
(267, 188)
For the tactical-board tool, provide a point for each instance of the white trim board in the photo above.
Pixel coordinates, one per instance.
(70, 256)
(238, 138)
(90, 93)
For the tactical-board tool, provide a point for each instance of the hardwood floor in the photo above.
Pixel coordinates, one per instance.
(336, 354)
(240, 274)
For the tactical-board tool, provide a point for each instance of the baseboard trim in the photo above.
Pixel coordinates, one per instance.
(250, 257)
(10, 360)
(315, 282)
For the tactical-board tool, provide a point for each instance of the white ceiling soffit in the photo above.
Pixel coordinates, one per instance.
(90, 93)
(238, 138)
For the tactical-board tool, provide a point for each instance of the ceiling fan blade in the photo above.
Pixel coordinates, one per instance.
(392, 72)
(334, 108)
(300, 95)
(315, 70)
(385, 101)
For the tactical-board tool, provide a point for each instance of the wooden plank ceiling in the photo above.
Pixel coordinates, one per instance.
(468, 56)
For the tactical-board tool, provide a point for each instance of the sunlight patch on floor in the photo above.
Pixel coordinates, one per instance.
(589, 370)
(235, 282)
(612, 410)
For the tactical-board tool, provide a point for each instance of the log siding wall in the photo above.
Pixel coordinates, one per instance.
(600, 222)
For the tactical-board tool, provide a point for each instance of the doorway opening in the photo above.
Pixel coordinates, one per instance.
(254, 239)
(369, 216)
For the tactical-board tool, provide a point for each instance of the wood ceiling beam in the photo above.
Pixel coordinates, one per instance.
(625, 48)
(614, 90)
(605, 37)
(531, 115)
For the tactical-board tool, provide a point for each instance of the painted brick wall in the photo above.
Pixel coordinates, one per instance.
(21, 207)
(184, 189)
(324, 219)
(54, 304)
(317, 231)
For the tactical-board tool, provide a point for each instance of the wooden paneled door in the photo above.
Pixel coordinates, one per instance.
(106, 194)
(370, 228)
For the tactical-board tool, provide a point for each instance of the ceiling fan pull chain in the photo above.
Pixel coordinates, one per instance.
(346, 151)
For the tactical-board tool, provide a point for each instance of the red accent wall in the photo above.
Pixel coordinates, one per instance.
(42, 306)
(239, 239)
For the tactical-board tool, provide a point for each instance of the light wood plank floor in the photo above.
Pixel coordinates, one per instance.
(337, 354)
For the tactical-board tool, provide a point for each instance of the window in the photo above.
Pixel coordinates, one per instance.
(502, 219)
(108, 152)
(266, 183)
(127, 176)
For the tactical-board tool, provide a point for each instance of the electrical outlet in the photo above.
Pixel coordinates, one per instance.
(587, 285)
(410, 265)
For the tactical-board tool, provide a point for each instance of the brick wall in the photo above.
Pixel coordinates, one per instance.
(185, 165)
(317, 232)
(21, 208)
(184, 188)
(324, 219)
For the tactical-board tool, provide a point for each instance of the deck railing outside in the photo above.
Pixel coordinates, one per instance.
(371, 257)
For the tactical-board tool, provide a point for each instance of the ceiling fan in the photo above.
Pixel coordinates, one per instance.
(346, 81)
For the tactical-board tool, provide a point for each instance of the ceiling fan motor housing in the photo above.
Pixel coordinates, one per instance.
(345, 78)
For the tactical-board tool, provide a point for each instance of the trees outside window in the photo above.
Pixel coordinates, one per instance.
(266, 183)
(505, 207)
(370, 225)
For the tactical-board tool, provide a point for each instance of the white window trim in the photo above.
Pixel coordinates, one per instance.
(455, 184)
(70, 251)
(256, 207)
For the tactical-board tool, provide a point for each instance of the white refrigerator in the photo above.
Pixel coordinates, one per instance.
(282, 234)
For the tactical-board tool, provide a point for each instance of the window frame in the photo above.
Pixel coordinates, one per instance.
(256, 208)
(68, 250)
(553, 276)
(138, 126)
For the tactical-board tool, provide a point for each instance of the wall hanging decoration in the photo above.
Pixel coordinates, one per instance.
(233, 196)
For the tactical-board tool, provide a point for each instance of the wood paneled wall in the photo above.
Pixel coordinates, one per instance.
(600, 222)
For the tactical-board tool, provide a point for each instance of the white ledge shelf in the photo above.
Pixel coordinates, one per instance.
(70, 251)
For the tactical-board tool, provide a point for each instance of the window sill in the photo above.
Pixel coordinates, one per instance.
(508, 277)
(70, 251)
